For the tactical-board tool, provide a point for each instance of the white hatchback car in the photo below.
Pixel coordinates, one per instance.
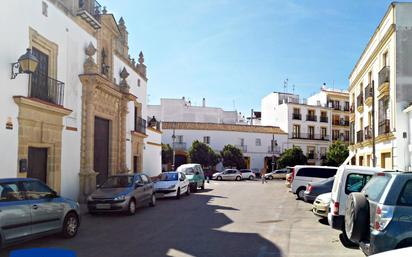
(247, 174)
(172, 184)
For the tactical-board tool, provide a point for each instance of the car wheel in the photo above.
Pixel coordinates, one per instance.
(346, 241)
(70, 225)
(238, 178)
(131, 209)
(194, 187)
(356, 217)
(178, 193)
(251, 178)
(188, 190)
(300, 193)
(203, 186)
(270, 177)
(153, 201)
(219, 178)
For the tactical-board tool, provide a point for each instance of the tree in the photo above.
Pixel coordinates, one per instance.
(167, 154)
(337, 154)
(233, 157)
(203, 154)
(291, 157)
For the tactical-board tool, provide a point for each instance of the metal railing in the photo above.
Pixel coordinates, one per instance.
(180, 146)
(368, 132)
(242, 147)
(311, 117)
(368, 91)
(359, 100)
(140, 125)
(384, 75)
(310, 136)
(384, 127)
(323, 118)
(92, 7)
(359, 136)
(47, 89)
(296, 116)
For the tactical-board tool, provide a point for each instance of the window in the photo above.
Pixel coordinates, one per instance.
(10, 191)
(258, 142)
(138, 82)
(405, 197)
(335, 134)
(36, 190)
(311, 152)
(385, 59)
(296, 131)
(182, 176)
(311, 130)
(316, 172)
(311, 112)
(206, 140)
(374, 189)
(370, 77)
(145, 179)
(296, 110)
(179, 138)
(323, 132)
(242, 141)
(355, 182)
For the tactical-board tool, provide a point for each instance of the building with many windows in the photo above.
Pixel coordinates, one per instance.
(307, 126)
(80, 116)
(380, 90)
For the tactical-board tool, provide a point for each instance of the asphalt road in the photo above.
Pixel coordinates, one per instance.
(226, 219)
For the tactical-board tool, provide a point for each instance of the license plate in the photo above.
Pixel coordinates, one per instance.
(103, 206)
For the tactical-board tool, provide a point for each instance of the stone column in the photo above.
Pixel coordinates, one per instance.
(125, 89)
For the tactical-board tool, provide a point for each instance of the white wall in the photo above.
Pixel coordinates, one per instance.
(152, 158)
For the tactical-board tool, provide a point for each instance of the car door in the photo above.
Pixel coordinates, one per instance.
(15, 217)
(183, 182)
(147, 190)
(45, 207)
(139, 191)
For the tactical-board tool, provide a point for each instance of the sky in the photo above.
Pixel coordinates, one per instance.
(234, 52)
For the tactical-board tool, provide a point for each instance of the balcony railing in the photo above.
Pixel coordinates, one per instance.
(359, 136)
(311, 117)
(323, 119)
(296, 116)
(384, 127)
(368, 91)
(90, 11)
(47, 89)
(140, 125)
(242, 147)
(359, 100)
(368, 132)
(310, 136)
(179, 146)
(384, 75)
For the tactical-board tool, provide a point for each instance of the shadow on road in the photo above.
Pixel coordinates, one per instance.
(191, 226)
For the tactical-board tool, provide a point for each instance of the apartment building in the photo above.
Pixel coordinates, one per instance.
(338, 101)
(307, 126)
(73, 104)
(380, 90)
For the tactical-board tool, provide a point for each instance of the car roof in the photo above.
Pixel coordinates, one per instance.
(315, 166)
(18, 179)
(355, 167)
(188, 165)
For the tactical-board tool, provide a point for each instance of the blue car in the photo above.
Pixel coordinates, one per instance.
(30, 209)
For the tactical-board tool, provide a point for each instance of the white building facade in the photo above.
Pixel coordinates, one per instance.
(307, 126)
(72, 122)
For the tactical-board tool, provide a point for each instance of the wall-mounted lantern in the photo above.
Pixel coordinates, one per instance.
(27, 63)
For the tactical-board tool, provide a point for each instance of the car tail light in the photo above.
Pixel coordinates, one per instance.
(383, 216)
(309, 188)
(335, 210)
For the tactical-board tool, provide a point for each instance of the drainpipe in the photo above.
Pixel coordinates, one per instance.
(373, 125)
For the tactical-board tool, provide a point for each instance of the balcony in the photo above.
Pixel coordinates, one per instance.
(179, 146)
(296, 116)
(368, 94)
(140, 125)
(384, 75)
(368, 132)
(242, 147)
(384, 127)
(323, 119)
(90, 11)
(311, 117)
(359, 101)
(47, 89)
(310, 136)
(359, 136)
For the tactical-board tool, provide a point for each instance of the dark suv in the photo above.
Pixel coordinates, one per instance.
(380, 217)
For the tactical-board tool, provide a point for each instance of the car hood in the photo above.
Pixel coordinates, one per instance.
(164, 184)
(217, 173)
(111, 192)
(326, 198)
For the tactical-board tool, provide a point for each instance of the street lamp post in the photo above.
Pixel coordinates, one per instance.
(373, 125)
(173, 146)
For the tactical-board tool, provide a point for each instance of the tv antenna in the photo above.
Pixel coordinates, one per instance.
(285, 85)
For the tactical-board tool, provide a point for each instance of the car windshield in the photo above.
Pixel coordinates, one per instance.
(118, 182)
(168, 176)
(189, 171)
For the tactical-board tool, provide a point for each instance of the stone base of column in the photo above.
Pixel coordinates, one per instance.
(87, 184)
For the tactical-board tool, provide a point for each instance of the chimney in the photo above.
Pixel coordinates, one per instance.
(204, 102)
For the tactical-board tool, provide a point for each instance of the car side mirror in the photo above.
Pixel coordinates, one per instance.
(53, 194)
(197, 173)
(182, 179)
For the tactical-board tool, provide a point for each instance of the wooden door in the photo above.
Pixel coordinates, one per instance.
(135, 164)
(37, 163)
(386, 161)
(39, 79)
(101, 149)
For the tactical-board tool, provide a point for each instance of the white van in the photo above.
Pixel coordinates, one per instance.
(305, 174)
(348, 179)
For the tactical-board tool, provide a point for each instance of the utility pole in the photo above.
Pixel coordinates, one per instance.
(373, 125)
(251, 117)
(173, 140)
(273, 152)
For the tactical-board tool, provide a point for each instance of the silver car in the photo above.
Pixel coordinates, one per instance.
(228, 174)
(29, 208)
(122, 193)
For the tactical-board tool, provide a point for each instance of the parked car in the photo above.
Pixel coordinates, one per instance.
(228, 174)
(402, 252)
(247, 174)
(318, 188)
(172, 184)
(305, 174)
(379, 217)
(279, 174)
(348, 179)
(29, 208)
(321, 205)
(256, 171)
(194, 173)
(122, 193)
